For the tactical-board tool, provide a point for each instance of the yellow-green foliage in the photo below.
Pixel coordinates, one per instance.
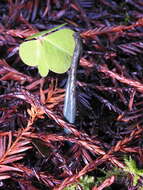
(87, 182)
(131, 168)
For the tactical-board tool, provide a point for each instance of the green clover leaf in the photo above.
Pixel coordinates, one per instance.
(50, 52)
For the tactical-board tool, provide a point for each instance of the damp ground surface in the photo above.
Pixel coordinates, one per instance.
(104, 149)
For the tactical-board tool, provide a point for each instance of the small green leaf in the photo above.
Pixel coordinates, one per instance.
(59, 47)
(52, 52)
(30, 52)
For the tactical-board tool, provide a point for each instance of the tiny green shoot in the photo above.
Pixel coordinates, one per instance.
(85, 182)
(131, 167)
(49, 50)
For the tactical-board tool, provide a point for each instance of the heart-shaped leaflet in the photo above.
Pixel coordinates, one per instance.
(51, 52)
